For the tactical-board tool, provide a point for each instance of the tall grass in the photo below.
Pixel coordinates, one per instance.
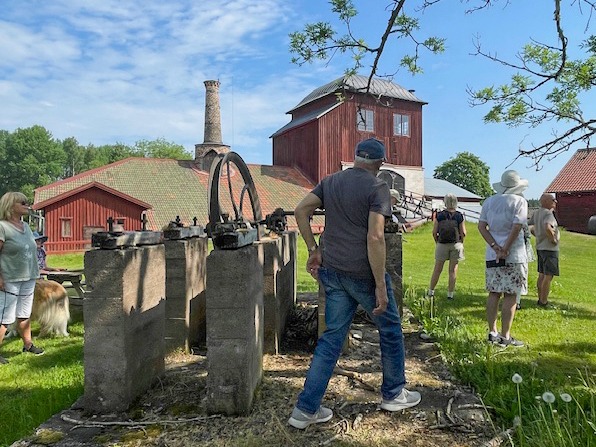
(560, 352)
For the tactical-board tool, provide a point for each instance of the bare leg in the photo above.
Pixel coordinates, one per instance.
(539, 283)
(544, 288)
(492, 309)
(507, 314)
(2, 333)
(24, 326)
(453, 263)
(436, 274)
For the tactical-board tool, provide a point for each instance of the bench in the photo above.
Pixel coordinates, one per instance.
(73, 276)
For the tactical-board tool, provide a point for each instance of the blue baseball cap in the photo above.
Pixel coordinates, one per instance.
(371, 149)
(38, 236)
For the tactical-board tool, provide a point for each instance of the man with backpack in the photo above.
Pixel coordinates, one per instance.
(449, 231)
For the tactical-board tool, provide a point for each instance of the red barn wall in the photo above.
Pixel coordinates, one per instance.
(339, 125)
(574, 210)
(318, 147)
(89, 208)
(298, 148)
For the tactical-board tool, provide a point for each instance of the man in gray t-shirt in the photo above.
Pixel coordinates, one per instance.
(350, 264)
(547, 234)
(348, 197)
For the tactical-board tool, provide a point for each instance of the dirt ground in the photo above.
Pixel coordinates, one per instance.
(173, 414)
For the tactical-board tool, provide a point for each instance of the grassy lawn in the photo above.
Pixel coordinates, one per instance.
(560, 352)
(559, 357)
(34, 388)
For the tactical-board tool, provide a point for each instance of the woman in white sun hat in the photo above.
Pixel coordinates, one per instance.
(501, 220)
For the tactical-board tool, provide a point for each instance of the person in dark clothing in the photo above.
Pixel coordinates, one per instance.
(448, 248)
(350, 264)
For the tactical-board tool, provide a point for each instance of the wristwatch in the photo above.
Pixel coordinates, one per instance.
(312, 249)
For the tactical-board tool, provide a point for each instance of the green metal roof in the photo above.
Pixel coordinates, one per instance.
(178, 188)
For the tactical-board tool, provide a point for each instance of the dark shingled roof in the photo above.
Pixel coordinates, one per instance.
(579, 174)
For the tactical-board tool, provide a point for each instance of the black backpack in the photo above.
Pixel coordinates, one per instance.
(448, 229)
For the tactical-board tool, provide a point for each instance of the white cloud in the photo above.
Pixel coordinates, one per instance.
(121, 71)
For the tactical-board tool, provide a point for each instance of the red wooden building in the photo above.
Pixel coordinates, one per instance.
(328, 123)
(161, 189)
(72, 217)
(319, 140)
(575, 190)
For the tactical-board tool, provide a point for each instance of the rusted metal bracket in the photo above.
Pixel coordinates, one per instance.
(176, 230)
(277, 222)
(183, 232)
(122, 239)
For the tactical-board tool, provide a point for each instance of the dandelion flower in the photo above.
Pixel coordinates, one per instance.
(517, 378)
(566, 397)
(548, 397)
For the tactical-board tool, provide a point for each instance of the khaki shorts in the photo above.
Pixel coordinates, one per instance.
(449, 252)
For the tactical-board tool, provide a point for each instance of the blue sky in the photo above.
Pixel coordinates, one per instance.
(113, 71)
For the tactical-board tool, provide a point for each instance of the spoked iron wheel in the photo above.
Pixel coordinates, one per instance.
(222, 223)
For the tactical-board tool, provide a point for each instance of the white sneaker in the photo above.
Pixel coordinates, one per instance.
(405, 399)
(301, 420)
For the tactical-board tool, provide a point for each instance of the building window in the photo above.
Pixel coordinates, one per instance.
(393, 180)
(66, 226)
(365, 120)
(401, 125)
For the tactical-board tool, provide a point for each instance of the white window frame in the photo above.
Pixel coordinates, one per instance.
(401, 125)
(66, 227)
(365, 120)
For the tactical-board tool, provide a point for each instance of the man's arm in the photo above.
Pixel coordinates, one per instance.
(551, 233)
(375, 245)
(304, 210)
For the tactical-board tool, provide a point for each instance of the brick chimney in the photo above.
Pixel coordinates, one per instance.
(212, 141)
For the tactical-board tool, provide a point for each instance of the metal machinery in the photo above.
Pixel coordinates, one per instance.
(232, 232)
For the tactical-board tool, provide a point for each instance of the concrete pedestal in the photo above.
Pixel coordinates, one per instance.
(124, 315)
(279, 286)
(234, 328)
(186, 270)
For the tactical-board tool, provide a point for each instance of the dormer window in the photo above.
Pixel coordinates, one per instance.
(401, 125)
(365, 119)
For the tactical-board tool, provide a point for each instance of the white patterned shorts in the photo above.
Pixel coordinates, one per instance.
(509, 279)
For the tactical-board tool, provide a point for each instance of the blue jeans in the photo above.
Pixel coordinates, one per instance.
(343, 294)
